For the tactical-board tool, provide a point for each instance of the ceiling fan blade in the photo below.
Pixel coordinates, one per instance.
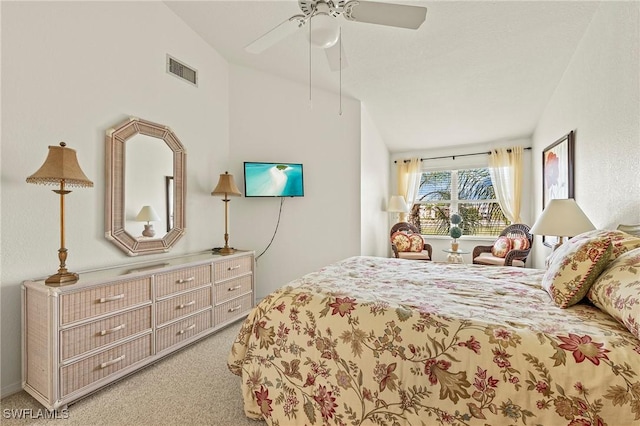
(280, 32)
(394, 15)
(333, 57)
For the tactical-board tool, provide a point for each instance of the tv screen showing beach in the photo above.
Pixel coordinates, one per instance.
(273, 180)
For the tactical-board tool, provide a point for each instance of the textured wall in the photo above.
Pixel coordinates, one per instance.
(599, 98)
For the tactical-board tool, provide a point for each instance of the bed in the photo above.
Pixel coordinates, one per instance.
(397, 342)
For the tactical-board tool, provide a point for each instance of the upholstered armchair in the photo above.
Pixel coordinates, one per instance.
(407, 243)
(510, 249)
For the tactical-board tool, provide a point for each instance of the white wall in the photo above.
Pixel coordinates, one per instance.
(599, 98)
(70, 71)
(374, 189)
(272, 121)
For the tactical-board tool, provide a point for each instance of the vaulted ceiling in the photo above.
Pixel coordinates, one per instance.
(475, 71)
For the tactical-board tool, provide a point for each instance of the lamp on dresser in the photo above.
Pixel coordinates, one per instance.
(148, 214)
(562, 218)
(226, 187)
(61, 168)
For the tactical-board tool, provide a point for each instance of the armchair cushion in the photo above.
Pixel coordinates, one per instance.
(412, 255)
(501, 247)
(489, 259)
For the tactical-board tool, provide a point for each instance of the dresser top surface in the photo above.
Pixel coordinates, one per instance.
(133, 270)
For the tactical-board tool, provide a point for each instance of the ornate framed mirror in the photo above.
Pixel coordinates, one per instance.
(142, 215)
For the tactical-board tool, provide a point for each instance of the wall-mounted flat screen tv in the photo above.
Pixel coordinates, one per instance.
(273, 180)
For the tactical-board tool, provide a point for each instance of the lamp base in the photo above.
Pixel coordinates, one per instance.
(149, 231)
(226, 250)
(61, 278)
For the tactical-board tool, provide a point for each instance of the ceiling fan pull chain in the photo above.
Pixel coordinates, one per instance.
(310, 102)
(340, 35)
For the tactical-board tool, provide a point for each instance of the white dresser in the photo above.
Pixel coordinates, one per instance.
(112, 322)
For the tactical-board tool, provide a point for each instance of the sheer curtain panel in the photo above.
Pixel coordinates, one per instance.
(505, 168)
(408, 182)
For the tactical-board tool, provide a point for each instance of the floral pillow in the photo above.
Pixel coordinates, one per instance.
(520, 242)
(574, 268)
(621, 241)
(407, 242)
(501, 247)
(617, 290)
(401, 241)
(417, 243)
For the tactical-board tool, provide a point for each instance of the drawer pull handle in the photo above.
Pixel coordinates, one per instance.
(191, 327)
(231, 268)
(234, 288)
(113, 361)
(112, 330)
(184, 305)
(111, 298)
(235, 308)
(186, 280)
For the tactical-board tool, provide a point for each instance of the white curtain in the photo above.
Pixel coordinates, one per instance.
(505, 168)
(408, 182)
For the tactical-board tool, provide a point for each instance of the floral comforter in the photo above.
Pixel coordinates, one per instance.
(395, 342)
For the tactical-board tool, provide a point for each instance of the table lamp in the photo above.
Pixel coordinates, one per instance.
(61, 168)
(562, 218)
(148, 214)
(397, 205)
(226, 187)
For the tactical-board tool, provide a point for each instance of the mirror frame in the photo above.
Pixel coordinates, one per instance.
(116, 140)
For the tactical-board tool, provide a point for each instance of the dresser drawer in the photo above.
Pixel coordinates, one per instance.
(233, 309)
(184, 279)
(184, 304)
(77, 340)
(233, 288)
(96, 301)
(182, 330)
(232, 268)
(82, 373)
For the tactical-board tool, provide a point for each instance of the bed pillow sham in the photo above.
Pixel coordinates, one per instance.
(621, 242)
(574, 268)
(617, 290)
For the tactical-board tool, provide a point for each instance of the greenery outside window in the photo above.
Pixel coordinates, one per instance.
(469, 192)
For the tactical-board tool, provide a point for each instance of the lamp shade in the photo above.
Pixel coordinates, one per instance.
(226, 186)
(61, 165)
(562, 218)
(397, 204)
(147, 214)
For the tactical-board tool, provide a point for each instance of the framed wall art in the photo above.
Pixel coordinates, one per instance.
(557, 172)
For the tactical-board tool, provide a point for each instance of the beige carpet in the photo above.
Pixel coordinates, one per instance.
(191, 387)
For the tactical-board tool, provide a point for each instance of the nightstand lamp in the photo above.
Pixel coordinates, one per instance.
(562, 218)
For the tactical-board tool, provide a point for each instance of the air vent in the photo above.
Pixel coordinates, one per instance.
(182, 71)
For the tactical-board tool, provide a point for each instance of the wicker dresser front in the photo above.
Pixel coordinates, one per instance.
(80, 337)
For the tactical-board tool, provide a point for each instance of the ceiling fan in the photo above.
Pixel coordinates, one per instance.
(324, 30)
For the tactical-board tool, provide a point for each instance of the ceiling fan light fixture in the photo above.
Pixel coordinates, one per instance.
(325, 31)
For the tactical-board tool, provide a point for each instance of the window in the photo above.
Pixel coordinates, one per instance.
(469, 192)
